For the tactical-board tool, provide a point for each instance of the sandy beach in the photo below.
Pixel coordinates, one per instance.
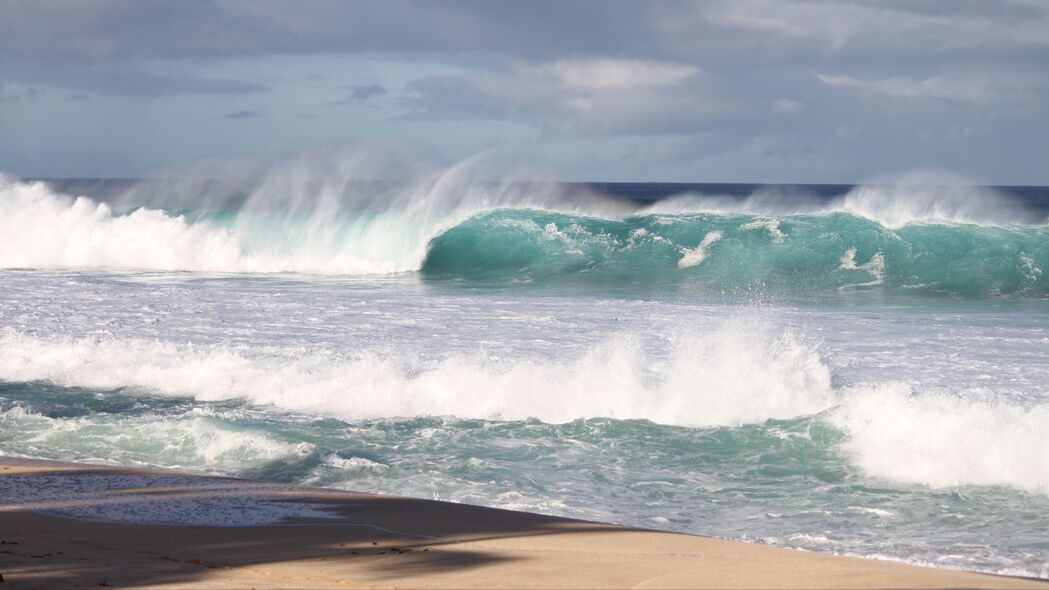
(73, 525)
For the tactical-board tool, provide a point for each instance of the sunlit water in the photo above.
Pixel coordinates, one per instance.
(813, 399)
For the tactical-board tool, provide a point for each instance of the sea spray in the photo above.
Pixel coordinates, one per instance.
(449, 227)
(945, 439)
(841, 425)
(737, 374)
(849, 369)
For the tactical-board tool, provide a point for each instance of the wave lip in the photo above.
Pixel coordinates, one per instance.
(896, 207)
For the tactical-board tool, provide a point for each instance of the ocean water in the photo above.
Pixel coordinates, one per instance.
(856, 370)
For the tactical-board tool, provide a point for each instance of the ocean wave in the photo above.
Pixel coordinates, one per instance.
(745, 253)
(891, 206)
(707, 379)
(739, 374)
(949, 243)
(942, 439)
(289, 223)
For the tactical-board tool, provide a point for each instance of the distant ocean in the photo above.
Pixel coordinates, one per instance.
(860, 370)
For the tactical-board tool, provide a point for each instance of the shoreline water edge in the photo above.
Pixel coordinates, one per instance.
(76, 525)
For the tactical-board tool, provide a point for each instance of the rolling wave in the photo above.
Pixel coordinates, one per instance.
(934, 242)
(747, 253)
(742, 373)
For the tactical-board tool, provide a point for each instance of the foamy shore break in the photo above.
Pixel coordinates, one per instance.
(70, 525)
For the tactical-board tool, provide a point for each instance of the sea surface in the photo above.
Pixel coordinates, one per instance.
(861, 370)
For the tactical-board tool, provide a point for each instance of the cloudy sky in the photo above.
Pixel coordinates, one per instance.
(718, 91)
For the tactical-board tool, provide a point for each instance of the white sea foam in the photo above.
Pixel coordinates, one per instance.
(737, 374)
(311, 214)
(316, 215)
(875, 267)
(733, 375)
(695, 256)
(45, 229)
(942, 439)
(193, 440)
(769, 225)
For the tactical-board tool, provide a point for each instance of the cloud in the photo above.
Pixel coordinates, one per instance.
(612, 74)
(361, 94)
(788, 106)
(239, 115)
(19, 93)
(784, 31)
(968, 87)
(730, 38)
(123, 80)
(725, 79)
(575, 97)
(147, 84)
(105, 30)
(726, 31)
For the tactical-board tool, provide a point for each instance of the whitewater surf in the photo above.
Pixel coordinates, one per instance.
(934, 245)
(858, 370)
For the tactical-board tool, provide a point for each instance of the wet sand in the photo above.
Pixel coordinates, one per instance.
(74, 525)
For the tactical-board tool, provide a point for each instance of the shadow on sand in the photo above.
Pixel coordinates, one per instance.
(50, 540)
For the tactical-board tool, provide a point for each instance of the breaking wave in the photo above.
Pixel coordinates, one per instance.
(955, 242)
(742, 373)
(738, 252)
(707, 380)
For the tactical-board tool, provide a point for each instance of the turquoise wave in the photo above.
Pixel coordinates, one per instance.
(733, 253)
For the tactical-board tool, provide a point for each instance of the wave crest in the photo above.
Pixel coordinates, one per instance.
(745, 254)
(708, 379)
(448, 226)
(944, 440)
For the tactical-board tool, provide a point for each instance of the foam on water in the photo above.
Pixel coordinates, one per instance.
(304, 216)
(943, 439)
(738, 374)
(955, 241)
(741, 373)
(695, 256)
(194, 440)
(500, 370)
(42, 229)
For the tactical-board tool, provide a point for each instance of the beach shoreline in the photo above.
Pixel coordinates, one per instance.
(75, 525)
